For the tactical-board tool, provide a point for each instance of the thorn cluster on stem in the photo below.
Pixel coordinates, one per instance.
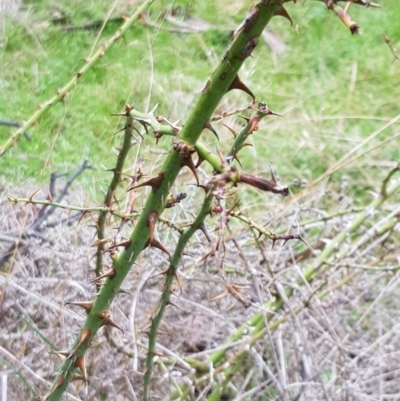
(234, 176)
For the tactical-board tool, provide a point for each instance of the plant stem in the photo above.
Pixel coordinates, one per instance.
(183, 241)
(61, 93)
(218, 84)
(101, 221)
(100, 209)
(166, 294)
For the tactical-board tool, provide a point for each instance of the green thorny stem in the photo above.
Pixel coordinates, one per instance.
(186, 236)
(217, 85)
(166, 294)
(63, 92)
(117, 171)
(223, 166)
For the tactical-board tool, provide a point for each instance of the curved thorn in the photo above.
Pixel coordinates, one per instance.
(87, 305)
(85, 336)
(80, 364)
(158, 245)
(110, 273)
(202, 227)
(199, 161)
(282, 12)
(188, 162)
(154, 183)
(238, 84)
(234, 132)
(210, 127)
(126, 244)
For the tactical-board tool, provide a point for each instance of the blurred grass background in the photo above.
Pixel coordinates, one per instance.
(333, 88)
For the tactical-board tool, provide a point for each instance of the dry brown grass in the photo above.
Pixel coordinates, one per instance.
(341, 346)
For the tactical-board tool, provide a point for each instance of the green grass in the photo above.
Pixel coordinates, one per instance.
(309, 84)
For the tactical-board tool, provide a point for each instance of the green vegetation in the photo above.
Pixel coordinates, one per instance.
(333, 88)
(338, 131)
